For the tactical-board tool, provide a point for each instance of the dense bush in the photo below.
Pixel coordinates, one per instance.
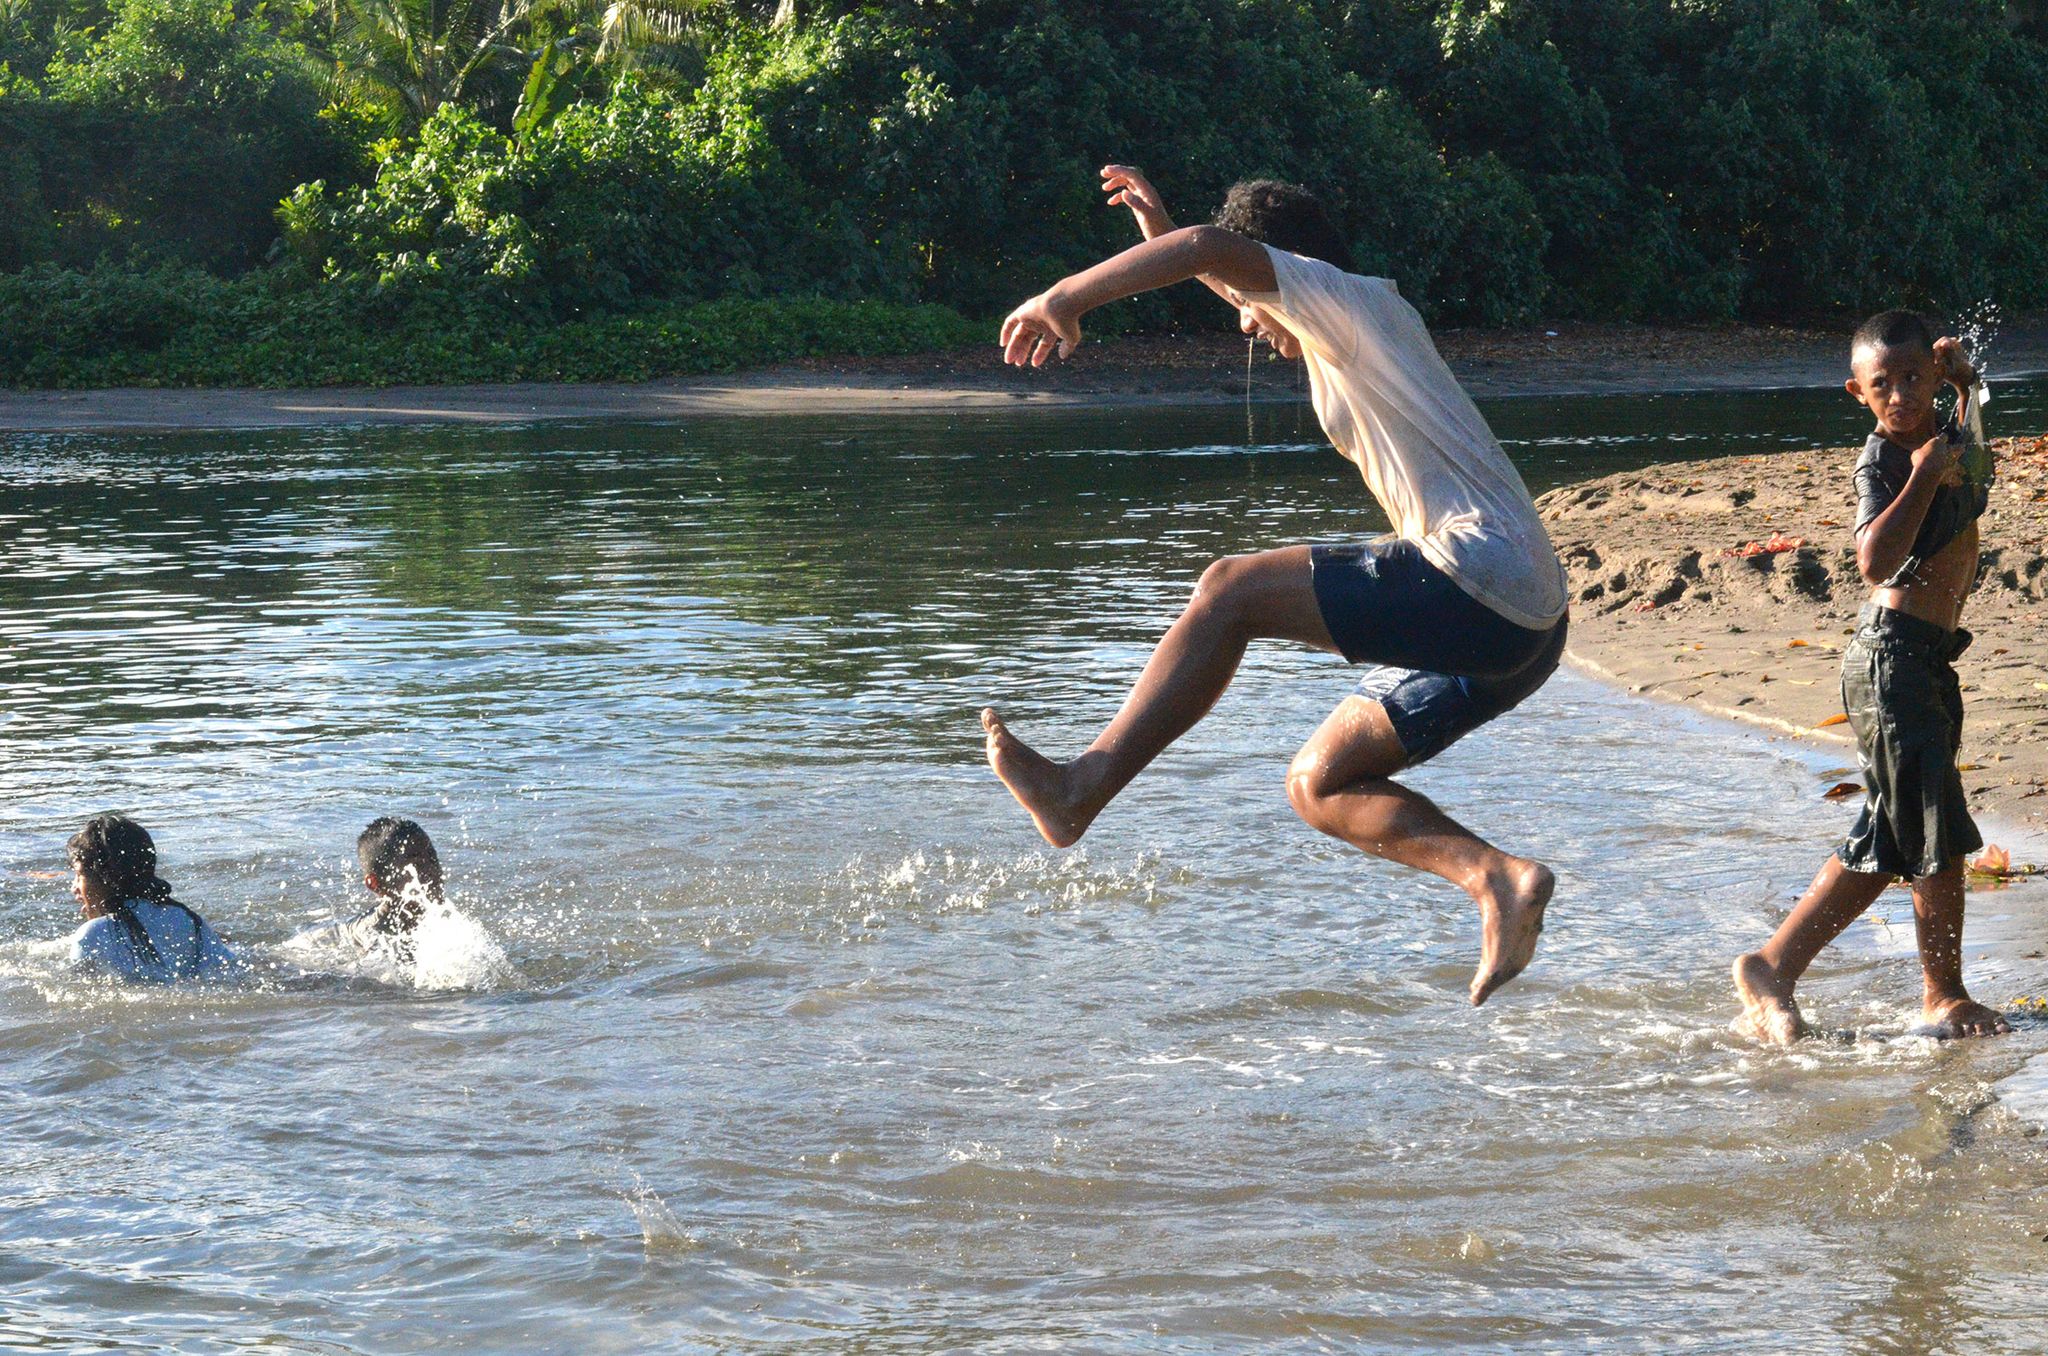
(867, 157)
(1501, 159)
(183, 327)
(170, 132)
(1771, 158)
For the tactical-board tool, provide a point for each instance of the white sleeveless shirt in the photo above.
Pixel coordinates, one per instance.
(1391, 406)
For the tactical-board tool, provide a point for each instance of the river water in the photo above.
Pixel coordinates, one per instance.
(773, 1026)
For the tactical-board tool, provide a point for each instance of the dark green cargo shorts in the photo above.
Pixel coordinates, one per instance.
(1899, 688)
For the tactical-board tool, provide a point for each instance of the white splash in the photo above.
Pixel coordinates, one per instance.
(451, 950)
(660, 1229)
(1977, 327)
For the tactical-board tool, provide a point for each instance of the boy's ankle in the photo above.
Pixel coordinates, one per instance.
(1936, 996)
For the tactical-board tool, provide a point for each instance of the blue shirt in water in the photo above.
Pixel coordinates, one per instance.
(186, 948)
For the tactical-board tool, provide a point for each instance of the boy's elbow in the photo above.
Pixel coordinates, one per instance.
(1235, 260)
(1204, 243)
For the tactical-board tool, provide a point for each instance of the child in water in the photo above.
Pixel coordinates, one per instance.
(402, 872)
(1916, 545)
(1460, 613)
(134, 929)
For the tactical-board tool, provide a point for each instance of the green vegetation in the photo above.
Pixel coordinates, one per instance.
(202, 191)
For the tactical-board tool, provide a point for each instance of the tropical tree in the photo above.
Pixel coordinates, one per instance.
(409, 57)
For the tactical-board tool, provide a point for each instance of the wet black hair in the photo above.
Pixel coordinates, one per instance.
(118, 853)
(1285, 216)
(388, 844)
(1894, 329)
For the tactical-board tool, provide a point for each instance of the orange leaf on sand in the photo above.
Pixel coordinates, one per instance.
(1996, 861)
(1841, 791)
(1796, 644)
(1778, 542)
(1839, 718)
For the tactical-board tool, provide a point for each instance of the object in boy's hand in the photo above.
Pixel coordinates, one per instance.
(1980, 467)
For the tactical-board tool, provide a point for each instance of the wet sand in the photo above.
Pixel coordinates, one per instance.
(1666, 602)
(1571, 359)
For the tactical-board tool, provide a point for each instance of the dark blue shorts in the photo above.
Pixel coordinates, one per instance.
(1444, 663)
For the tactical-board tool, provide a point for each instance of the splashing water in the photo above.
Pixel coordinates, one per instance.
(451, 950)
(1977, 327)
(447, 948)
(660, 1229)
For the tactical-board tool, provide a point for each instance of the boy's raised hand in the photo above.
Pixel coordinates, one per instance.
(1037, 330)
(1941, 456)
(1953, 364)
(1127, 186)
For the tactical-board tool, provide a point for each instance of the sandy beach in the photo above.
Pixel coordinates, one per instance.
(1731, 585)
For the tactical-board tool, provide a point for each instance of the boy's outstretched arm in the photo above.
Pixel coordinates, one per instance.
(1050, 322)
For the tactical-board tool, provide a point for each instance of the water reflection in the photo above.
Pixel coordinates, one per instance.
(813, 1045)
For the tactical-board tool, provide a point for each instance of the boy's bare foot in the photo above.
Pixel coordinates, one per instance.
(1511, 904)
(1962, 1017)
(1768, 1012)
(1040, 785)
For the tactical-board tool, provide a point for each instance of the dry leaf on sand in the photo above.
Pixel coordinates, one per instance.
(1996, 861)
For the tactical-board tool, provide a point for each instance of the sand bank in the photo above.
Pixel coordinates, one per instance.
(1669, 599)
(1571, 359)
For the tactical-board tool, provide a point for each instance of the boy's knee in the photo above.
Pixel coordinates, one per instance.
(1305, 790)
(1221, 582)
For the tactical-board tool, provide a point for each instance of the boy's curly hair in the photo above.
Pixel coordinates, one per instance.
(1285, 216)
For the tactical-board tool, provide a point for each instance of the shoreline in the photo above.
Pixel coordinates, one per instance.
(1642, 549)
(1730, 586)
(1112, 373)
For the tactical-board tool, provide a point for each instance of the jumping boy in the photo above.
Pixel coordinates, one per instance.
(402, 872)
(1916, 545)
(1461, 610)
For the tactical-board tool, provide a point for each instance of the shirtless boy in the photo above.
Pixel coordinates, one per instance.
(1460, 611)
(1916, 545)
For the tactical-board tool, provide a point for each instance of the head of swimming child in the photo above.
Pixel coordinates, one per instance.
(113, 861)
(400, 866)
(1894, 373)
(1287, 217)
